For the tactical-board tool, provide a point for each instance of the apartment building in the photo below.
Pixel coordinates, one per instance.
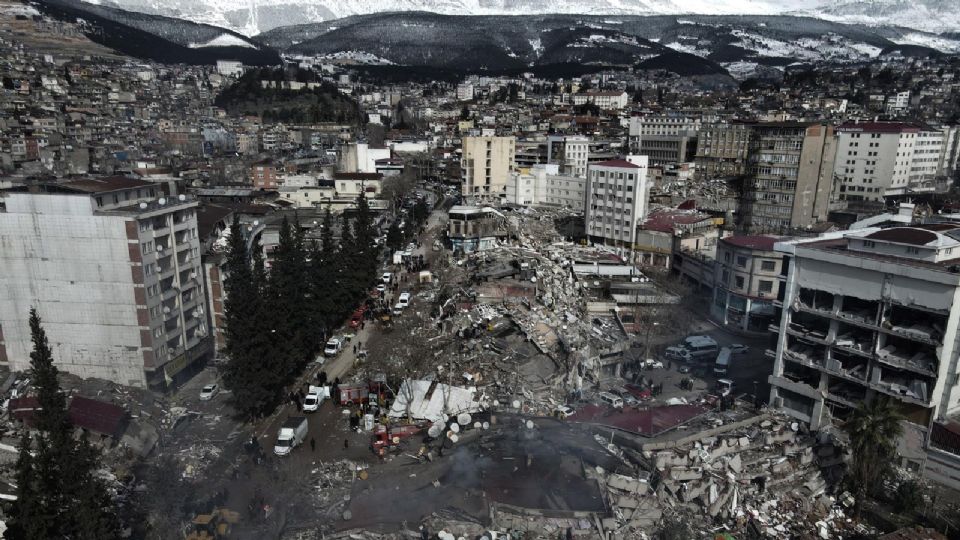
(789, 176)
(570, 153)
(880, 159)
(487, 163)
(664, 139)
(722, 150)
(604, 100)
(616, 200)
(747, 279)
(113, 268)
(265, 175)
(869, 313)
(542, 185)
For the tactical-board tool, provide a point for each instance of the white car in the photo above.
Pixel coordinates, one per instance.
(739, 348)
(562, 411)
(311, 402)
(386, 277)
(209, 391)
(381, 288)
(333, 347)
(404, 300)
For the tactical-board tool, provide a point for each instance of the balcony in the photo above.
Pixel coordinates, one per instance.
(908, 355)
(860, 311)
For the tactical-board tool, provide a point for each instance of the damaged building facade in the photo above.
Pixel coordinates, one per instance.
(870, 313)
(114, 272)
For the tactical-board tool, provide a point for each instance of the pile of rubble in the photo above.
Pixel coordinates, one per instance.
(763, 474)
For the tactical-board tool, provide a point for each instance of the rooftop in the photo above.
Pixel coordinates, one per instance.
(760, 242)
(105, 184)
(620, 163)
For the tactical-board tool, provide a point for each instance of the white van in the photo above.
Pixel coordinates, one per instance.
(614, 401)
(404, 299)
(723, 362)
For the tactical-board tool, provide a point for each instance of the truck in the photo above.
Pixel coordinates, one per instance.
(213, 526)
(385, 438)
(292, 433)
(363, 392)
(723, 362)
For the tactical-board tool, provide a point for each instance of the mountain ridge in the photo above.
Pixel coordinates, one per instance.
(258, 16)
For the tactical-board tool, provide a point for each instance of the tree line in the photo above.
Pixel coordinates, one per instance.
(277, 320)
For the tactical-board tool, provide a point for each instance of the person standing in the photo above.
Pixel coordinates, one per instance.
(313, 444)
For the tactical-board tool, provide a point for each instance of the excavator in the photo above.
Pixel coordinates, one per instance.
(213, 526)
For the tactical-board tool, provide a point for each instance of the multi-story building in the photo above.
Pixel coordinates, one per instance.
(616, 200)
(361, 157)
(880, 159)
(664, 139)
(747, 280)
(543, 186)
(465, 92)
(870, 313)
(604, 100)
(487, 163)
(570, 153)
(113, 268)
(789, 176)
(264, 175)
(722, 150)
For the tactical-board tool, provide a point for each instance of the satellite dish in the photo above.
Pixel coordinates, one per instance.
(435, 431)
(182, 197)
(162, 201)
(455, 427)
(516, 404)
(454, 437)
(477, 425)
(529, 424)
(486, 425)
(143, 206)
(463, 419)
(496, 403)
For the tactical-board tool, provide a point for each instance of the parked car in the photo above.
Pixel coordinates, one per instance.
(333, 347)
(739, 348)
(631, 401)
(209, 391)
(381, 288)
(386, 277)
(404, 299)
(637, 391)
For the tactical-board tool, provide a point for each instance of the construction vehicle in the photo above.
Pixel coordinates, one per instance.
(213, 526)
(364, 392)
(386, 438)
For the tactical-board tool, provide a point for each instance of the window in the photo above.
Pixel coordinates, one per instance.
(913, 251)
(739, 282)
(741, 261)
(768, 266)
(148, 247)
(726, 277)
(766, 286)
(726, 257)
(869, 244)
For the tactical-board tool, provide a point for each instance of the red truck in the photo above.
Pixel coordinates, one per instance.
(363, 392)
(357, 318)
(385, 438)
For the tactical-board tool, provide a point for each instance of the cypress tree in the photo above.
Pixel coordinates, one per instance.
(288, 306)
(62, 497)
(246, 330)
(394, 236)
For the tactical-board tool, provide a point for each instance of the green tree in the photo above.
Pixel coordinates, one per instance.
(287, 303)
(465, 113)
(421, 211)
(394, 236)
(59, 495)
(874, 428)
(248, 373)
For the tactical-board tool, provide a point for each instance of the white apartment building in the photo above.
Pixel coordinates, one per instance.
(486, 165)
(542, 186)
(604, 100)
(465, 92)
(361, 157)
(616, 200)
(878, 159)
(570, 153)
(868, 313)
(113, 269)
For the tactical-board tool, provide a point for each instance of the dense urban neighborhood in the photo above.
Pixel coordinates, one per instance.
(389, 276)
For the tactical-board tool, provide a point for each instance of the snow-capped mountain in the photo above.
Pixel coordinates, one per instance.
(251, 17)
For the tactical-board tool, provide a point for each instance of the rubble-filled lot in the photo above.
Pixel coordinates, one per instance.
(491, 420)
